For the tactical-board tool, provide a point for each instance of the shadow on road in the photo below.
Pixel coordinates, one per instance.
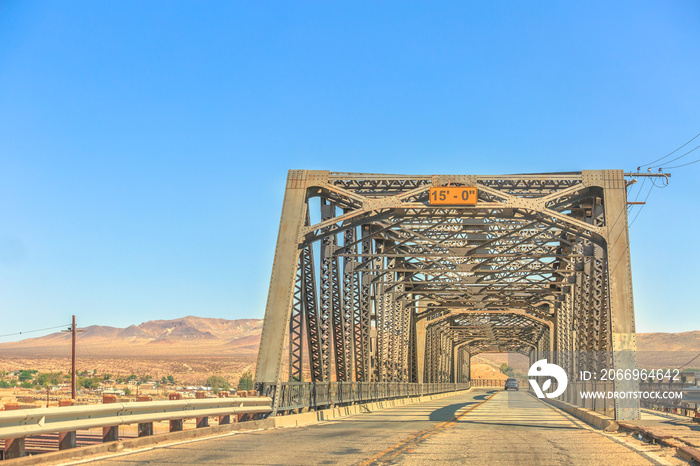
(448, 412)
(483, 397)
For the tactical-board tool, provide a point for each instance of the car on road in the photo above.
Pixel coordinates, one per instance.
(512, 383)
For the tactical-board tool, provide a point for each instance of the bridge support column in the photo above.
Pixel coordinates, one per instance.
(279, 300)
(455, 366)
(624, 344)
(420, 349)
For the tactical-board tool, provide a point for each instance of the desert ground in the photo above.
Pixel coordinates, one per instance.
(191, 349)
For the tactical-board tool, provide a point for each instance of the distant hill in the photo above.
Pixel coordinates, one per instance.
(686, 341)
(654, 351)
(203, 336)
(189, 334)
(668, 350)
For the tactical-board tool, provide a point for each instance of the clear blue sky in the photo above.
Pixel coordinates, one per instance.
(144, 145)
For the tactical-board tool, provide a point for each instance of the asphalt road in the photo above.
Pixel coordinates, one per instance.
(507, 428)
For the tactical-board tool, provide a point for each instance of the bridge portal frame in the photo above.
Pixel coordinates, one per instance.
(306, 310)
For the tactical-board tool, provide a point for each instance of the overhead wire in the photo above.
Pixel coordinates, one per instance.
(671, 153)
(685, 164)
(679, 157)
(665, 183)
(696, 356)
(651, 165)
(640, 190)
(642, 206)
(34, 331)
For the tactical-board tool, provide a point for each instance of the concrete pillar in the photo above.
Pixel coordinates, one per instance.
(14, 447)
(175, 424)
(110, 433)
(145, 428)
(227, 418)
(66, 440)
(202, 421)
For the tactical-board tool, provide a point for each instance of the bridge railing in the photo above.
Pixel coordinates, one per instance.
(17, 424)
(602, 405)
(600, 397)
(297, 395)
(687, 405)
(486, 383)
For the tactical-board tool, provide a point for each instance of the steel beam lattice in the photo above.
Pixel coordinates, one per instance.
(381, 286)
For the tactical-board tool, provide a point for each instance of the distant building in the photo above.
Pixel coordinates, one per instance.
(113, 391)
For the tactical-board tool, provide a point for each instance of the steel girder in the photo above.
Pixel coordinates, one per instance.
(408, 292)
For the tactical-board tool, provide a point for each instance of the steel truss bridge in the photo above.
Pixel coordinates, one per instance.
(376, 292)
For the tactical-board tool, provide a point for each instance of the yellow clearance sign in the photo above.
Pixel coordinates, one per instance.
(453, 195)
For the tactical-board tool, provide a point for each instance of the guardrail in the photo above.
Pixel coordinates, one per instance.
(15, 425)
(298, 395)
(485, 383)
(605, 405)
(687, 406)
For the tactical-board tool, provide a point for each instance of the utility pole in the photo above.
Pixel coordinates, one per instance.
(73, 330)
(72, 364)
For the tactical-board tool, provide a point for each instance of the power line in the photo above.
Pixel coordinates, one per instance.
(689, 163)
(671, 153)
(665, 183)
(631, 207)
(641, 208)
(679, 157)
(640, 189)
(33, 331)
(696, 356)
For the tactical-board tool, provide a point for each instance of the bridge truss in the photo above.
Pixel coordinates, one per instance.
(373, 284)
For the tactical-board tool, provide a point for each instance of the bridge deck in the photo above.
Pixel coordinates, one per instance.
(484, 426)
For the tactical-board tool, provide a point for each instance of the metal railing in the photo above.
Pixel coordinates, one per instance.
(687, 406)
(495, 383)
(298, 395)
(17, 424)
(604, 405)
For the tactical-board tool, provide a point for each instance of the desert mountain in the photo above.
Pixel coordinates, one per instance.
(188, 334)
(208, 336)
(669, 350)
(686, 341)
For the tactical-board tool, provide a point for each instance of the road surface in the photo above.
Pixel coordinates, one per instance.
(483, 426)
